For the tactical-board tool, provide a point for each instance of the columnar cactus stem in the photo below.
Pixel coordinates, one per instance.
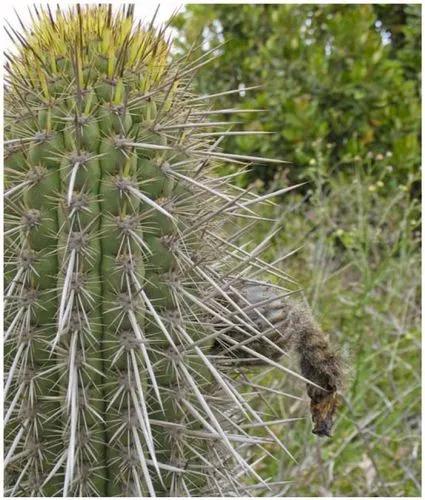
(128, 304)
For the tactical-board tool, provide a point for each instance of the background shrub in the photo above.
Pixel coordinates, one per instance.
(340, 86)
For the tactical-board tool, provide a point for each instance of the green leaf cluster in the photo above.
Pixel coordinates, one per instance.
(339, 81)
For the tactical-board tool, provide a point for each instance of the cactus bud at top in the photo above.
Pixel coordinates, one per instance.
(129, 303)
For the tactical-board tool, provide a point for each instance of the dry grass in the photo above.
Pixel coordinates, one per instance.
(360, 269)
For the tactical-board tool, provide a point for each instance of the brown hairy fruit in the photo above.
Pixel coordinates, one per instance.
(290, 326)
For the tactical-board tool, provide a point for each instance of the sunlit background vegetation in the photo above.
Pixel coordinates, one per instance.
(340, 86)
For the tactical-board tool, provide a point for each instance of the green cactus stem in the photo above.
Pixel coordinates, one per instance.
(128, 310)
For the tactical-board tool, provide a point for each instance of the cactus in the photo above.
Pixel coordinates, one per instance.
(131, 308)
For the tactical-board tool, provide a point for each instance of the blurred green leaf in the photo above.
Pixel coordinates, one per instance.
(344, 74)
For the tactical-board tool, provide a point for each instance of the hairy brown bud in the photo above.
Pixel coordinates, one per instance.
(287, 324)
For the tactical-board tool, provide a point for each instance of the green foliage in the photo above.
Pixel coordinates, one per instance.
(330, 74)
(348, 118)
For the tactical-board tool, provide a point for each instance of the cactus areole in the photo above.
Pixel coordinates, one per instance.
(133, 316)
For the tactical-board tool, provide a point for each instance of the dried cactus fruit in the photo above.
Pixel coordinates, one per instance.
(122, 307)
(286, 324)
